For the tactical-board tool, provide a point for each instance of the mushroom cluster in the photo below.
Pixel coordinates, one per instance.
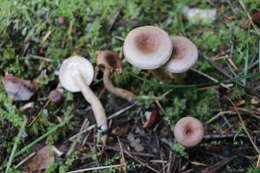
(149, 47)
(146, 47)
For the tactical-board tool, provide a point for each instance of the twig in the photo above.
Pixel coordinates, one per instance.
(96, 168)
(74, 143)
(25, 159)
(131, 152)
(248, 15)
(218, 165)
(222, 71)
(110, 117)
(210, 77)
(219, 114)
(40, 58)
(46, 37)
(244, 127)
(142, 163)
(222, 136)
(16, 142)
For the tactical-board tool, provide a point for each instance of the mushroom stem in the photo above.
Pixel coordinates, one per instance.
(124, 94)
(95, 103)
(164, 76)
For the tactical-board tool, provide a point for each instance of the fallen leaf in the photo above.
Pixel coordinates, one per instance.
(151, 117)
(42, 160)
(18, 89)
(121, 131)
(256, 17)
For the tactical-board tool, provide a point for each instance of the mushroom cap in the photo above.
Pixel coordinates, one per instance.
(183, 57)
(188, 131)
(147, 47)
(73, 67)
(108, 59)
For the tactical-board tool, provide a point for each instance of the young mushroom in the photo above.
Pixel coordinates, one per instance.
(112, 62)
(147, 47)
(76, 73)
(184, 56)
(188, 131)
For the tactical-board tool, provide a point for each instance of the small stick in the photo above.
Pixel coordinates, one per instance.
(249, 17)
(46, 37)
(110, 117)
(244, 127)
(211, 78)
(40, 58)
(219, 114)
(96, 168)
(142, 163)
(25, 159)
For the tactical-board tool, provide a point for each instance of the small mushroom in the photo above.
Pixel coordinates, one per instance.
(147, 47)
(112, 62)
(76, 74)
(184, 56)
(188, 131)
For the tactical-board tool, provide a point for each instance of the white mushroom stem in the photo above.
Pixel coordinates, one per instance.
(95, 103)
(124, 94)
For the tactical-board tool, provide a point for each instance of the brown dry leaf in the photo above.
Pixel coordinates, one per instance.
(135, 143)
(151, 117)
(246, 24)
(42, 160)
(121, 131)
(18, 89)
(256, 17)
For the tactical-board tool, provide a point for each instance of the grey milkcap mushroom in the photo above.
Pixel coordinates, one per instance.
(76, 73)
(184, 56)
(112, 62)
(147, 47)
(188, 131)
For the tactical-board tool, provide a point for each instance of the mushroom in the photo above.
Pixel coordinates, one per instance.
(184, 56)
(188, 131)
(147, 47)
(76, 73)
(112, 62)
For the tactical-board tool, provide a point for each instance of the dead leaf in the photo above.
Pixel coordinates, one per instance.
(121, 131)
(256, 17)
(246, 24)
(151, 117)
(42, 160)
(18, 89)
(135, 142)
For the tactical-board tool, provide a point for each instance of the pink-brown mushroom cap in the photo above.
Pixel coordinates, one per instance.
(147, 47)
(189, 131)
(184, 55)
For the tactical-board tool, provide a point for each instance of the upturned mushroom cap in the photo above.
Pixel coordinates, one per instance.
(183, 57)
(108, 59)
(147, 47)
(73, 67)
(188, 131)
